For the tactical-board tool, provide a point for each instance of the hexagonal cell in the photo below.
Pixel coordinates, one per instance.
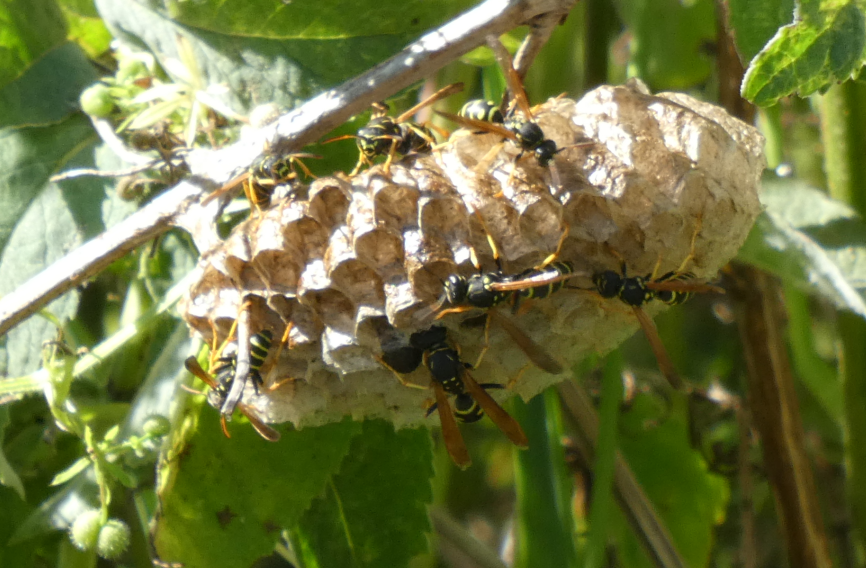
(640, 178)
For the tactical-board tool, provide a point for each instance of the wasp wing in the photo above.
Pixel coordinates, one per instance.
(479, 125)
(665, 364)
(504, 421)
(438, 95)
(263, 429)
(450, 432)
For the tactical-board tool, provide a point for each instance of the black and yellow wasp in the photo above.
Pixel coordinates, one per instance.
(450, 376)
(671, 288)
(385, 135)
(266, 173)
(224, 375)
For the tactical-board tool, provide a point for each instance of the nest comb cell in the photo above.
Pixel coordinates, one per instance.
(353, 266)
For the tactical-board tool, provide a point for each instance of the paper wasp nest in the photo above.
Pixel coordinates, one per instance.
(355, 265)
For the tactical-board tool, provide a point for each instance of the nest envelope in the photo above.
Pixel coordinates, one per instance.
(353, 266)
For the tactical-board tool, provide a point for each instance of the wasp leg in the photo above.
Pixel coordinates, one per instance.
(400, 377)
(551, 257)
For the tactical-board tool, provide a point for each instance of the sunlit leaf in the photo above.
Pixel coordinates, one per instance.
(755, 22)
(374, 512)
(824, 46)
(231, 496)
(811, 241)
(77, 467)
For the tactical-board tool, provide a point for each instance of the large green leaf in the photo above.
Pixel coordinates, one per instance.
(46, 233)
(374, 512)
(85, 26)
(272, 64)
(30, 29)
(824, 46)
(28, 157)
(37, 97)
(689, 499)
(755, 22)
(317, 19)
(224, 500)
(811, 241)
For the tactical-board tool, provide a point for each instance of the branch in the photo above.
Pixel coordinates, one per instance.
(212, 168)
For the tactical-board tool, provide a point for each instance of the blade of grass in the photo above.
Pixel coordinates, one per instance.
(543, 539)
(605, 460)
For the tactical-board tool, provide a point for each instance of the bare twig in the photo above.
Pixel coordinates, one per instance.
(540, 29)
(776, 415)
(292, 131)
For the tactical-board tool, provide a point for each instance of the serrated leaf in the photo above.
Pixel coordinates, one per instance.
(37, 97)
(223, 500)
(755, 22)
(8, 476)
(374, 512)
(825, 46)
(811, 241)
(30, 29)
(65, 475)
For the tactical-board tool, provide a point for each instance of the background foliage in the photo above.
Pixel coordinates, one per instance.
(74, 427)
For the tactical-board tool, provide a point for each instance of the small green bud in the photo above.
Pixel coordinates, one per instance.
(113, 539)
(85, 530)
(156, 426)
(96, 100)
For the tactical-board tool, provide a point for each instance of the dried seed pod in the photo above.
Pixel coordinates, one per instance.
(354, 266)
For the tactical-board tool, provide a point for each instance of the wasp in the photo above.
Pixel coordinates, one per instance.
(224, 373)
(262, 178)
(450, 376)
(517, 125)
(488, 289)
(386, 136)
(672, 288)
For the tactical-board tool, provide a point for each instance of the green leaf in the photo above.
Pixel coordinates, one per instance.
(31, 28)
(811, 241)
(670, 38)
(37, 97)
(223, 500)
(690, 500)
(324, 19)
(239, 53)
(86, 27)
(8, 476)
(124, 477)
(77, 467)
(755, 22)
(28, 157)
(825, 46)
(46, 233)
(374, 512)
